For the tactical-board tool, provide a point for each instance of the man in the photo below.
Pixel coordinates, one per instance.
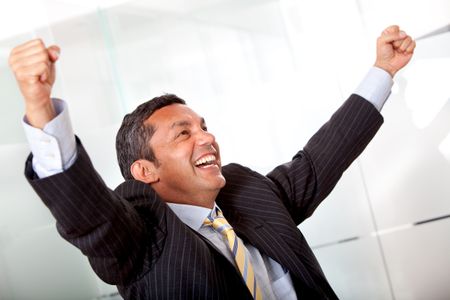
(182, 226)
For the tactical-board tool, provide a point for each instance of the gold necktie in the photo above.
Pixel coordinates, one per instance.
(220, 224)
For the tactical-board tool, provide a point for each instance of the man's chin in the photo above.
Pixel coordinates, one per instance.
(218, 182)
(223, 182)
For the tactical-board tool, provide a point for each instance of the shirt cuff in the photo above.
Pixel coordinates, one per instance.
(376, 87)
(53, 147)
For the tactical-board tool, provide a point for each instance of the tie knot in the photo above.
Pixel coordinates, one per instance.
(219, 223)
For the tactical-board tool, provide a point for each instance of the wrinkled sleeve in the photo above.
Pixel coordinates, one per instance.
(97, 220)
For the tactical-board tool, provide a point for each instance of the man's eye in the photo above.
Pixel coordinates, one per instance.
(184, 132)
(205, 128)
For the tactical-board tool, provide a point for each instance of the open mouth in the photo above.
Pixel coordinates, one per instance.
(206, 161)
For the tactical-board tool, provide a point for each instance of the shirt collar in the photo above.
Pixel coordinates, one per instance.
(192, 215)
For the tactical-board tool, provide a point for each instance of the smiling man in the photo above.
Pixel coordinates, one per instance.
(187, 156)
(181, 226)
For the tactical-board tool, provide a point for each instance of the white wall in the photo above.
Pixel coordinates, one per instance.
(266, 75)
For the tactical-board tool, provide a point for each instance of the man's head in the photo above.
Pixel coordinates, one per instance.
(132, 140)
(166, 144)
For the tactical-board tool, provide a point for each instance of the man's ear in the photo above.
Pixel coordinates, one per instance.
(145, 171)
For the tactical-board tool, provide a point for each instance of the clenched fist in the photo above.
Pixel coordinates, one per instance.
(33, 65)
(394, 49)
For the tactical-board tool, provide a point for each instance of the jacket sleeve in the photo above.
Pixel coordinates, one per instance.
(314, 171)
(97, 220)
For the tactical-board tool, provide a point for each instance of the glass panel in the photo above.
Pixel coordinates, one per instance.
(418, 260)
(355, 269)
(227, 59)
(42, 266)
(344, 214)
(265, 74)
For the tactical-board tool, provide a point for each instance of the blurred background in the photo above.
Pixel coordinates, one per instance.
(266, 74)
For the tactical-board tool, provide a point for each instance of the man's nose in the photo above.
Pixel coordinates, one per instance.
(205, 138)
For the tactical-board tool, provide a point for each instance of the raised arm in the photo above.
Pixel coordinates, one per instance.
(312, 174)
(100, 222)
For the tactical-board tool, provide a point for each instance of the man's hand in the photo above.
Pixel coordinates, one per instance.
(33, 66)
(394, 50)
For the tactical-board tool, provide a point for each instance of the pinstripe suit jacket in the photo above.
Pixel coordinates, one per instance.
(134, 240)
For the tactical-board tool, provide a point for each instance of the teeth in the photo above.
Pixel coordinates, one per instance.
(206, 159)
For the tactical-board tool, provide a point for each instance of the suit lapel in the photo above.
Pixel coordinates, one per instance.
(266, 240)
(271, 243)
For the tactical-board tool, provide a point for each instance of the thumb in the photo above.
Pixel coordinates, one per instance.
(53, 53)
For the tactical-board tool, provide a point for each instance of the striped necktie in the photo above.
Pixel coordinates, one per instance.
(220, 224)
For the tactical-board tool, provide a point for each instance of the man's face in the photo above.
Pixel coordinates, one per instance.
(189, 167)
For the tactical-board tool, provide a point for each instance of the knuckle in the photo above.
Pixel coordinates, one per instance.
(391, 29)
(36, 44)
(37, 41)
(12, 56)
(40, 47)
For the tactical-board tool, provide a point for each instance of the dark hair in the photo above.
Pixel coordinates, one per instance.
(133, 137)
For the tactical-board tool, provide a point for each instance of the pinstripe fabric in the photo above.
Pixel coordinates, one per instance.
(133, 240)
(220, 224)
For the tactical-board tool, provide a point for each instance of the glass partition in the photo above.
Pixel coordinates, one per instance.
(265, 74)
